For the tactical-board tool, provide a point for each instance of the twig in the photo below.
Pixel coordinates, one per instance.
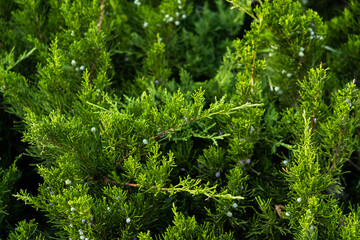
(252, 74)
(338, 149)
(111, 181)
(286, 170)
(173, 129)
(356, 166)
(102, 7)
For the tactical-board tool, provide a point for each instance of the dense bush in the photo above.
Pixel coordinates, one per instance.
(178, 119)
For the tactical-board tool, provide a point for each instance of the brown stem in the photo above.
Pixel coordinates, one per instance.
(338, 149)
(111, 181)
(286, 170)
(102, 7)
(173, 129)
(252, 74)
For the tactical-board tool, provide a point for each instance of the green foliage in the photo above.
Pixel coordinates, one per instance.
(8, 179)
(25, 229)
(154, 120)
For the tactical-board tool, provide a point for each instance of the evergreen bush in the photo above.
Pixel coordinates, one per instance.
(152, 119)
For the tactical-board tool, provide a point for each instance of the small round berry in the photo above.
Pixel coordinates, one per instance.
(299, 199)
(73, 63)
(301, 54)
(128, 220)
(287, 214)
(70, 225)
(183, 16)
(72, 209)
(82, 68)
(229, 214)
(177, 23)
(48, 188)
(170, 19)
(82, 237)
(68, 182)
(302, 49)
(177, 14)
(51, 204)
(81, 232)
(234, 205)
(289, 75)
(248, 161)
(145, 141)
(312, 227)
(183, 169)
(241, 162)
(217, 174)
(283, 71)
(285, 162)
(312, 25)
(156, 81)
(146, 24)
(77, 69)
(117, 198)
(93, 129)
(83, 220)
(252, 129)
(51, 193)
